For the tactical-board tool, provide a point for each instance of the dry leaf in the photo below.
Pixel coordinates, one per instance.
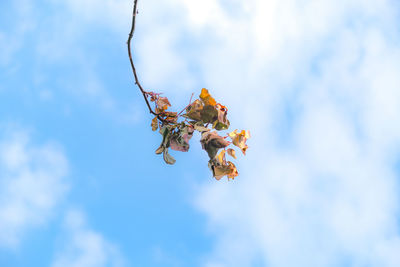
(220, 158)
(207, 99)
(165, 131)
(154, 124)
(170, 116)
(220, 167)
(212, 142)
(233, 171)
(232, 153)
(239, 139)
(201, 113)
(153, 96)
(194, 110)
(180, 140)
(160, 150)
(209, 114)
(168, 158)
(221, 122)
(198, 126)
(162, 104)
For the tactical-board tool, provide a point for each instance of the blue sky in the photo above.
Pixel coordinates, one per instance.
(316, 83)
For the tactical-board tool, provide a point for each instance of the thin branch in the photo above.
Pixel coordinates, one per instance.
(190, 102)
(144, 93)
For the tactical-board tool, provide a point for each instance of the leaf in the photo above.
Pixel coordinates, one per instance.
(178, 145)
(232, 153)
(194, 110)
(200, 127)
(168, 158)
(207, 99)
(233, 171)
(220, 126)
(199, 115)
(180, 140)
(165, 131)
(187, 133)
(220, 168)
(160, 150)
(221, 122)
(153, 96)
(220, 158)
(170, 116)
(208, 114)
(229, 170)
(239, 139)
(154, 124)
(212, 142)
(162, 104)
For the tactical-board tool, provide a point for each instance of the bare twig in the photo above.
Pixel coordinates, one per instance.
(144, 93)
(190, 102)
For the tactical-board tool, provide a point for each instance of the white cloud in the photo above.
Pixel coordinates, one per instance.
(59, 31)
(322, 74)
(317, 84)
(85, 247)
(160, 62)
(32, 186)
(12, 40)
(111, 13)
(33, 182)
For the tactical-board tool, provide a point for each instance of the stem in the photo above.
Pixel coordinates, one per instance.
(190, 102)
(130, 59)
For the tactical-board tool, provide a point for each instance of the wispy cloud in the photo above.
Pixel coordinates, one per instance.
(316, 82)
(53, 36)
(317, 85)
(33, 182)
(12, 38)
(33, 179)
(85, 247)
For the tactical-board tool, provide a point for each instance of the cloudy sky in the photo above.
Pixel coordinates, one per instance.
(317, 82)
